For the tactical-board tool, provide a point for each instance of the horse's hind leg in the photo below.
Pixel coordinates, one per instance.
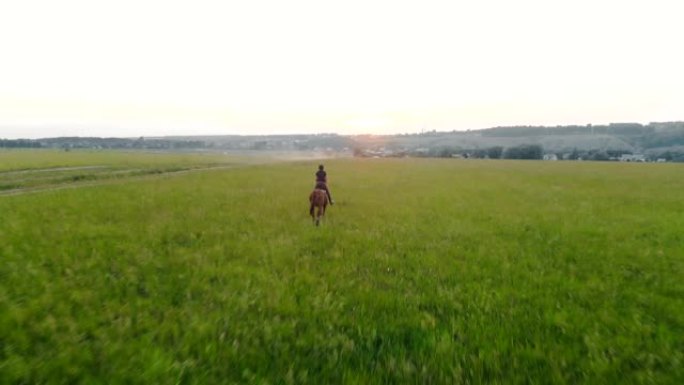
(321, 213)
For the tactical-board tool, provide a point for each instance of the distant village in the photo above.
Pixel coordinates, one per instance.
(503, 154)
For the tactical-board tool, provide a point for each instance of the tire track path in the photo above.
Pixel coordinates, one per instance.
(73, 185)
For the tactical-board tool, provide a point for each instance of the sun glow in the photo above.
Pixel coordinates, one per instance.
(369, 124)
(217, 67)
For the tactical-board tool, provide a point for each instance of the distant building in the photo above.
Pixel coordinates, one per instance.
(632, 158)
(550, 157)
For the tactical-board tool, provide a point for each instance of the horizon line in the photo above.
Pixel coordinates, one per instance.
(156, 136)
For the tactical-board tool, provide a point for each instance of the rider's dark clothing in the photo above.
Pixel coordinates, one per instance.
(322, 183)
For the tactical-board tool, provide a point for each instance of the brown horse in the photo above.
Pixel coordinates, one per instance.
(318, 199)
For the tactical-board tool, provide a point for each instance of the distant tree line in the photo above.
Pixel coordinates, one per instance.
(316, 142)
(610, 129)
(524, 151)
(101, 143)
(19, 143)
(655, 141)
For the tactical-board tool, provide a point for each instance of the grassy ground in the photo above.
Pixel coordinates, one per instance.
(22, 170)
(426, 271)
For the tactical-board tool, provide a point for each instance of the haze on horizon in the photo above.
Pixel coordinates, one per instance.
(153, 68)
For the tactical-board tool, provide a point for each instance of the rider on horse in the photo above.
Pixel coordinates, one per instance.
(322, 182)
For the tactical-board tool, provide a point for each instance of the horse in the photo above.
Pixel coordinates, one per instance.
(318, 199)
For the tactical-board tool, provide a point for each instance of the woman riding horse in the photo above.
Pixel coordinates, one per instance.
(322, 182)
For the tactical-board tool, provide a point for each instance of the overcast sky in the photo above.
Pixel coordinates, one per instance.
(132, 68)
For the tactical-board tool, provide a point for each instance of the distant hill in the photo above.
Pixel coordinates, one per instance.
(616, 136)
(656, 140)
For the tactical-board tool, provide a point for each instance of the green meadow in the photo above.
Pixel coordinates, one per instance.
(423, 272)
(29, 170)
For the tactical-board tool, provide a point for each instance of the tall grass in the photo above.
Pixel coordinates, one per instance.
(425, 271)
(40, 169)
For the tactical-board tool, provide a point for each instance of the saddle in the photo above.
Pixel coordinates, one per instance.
(321, 186)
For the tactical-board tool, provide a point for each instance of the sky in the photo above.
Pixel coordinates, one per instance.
(151, 68)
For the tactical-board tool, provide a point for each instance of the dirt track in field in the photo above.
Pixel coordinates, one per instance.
(38, 170)
(64, 186)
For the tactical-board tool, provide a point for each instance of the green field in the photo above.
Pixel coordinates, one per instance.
(424, 271)
(22, 171)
